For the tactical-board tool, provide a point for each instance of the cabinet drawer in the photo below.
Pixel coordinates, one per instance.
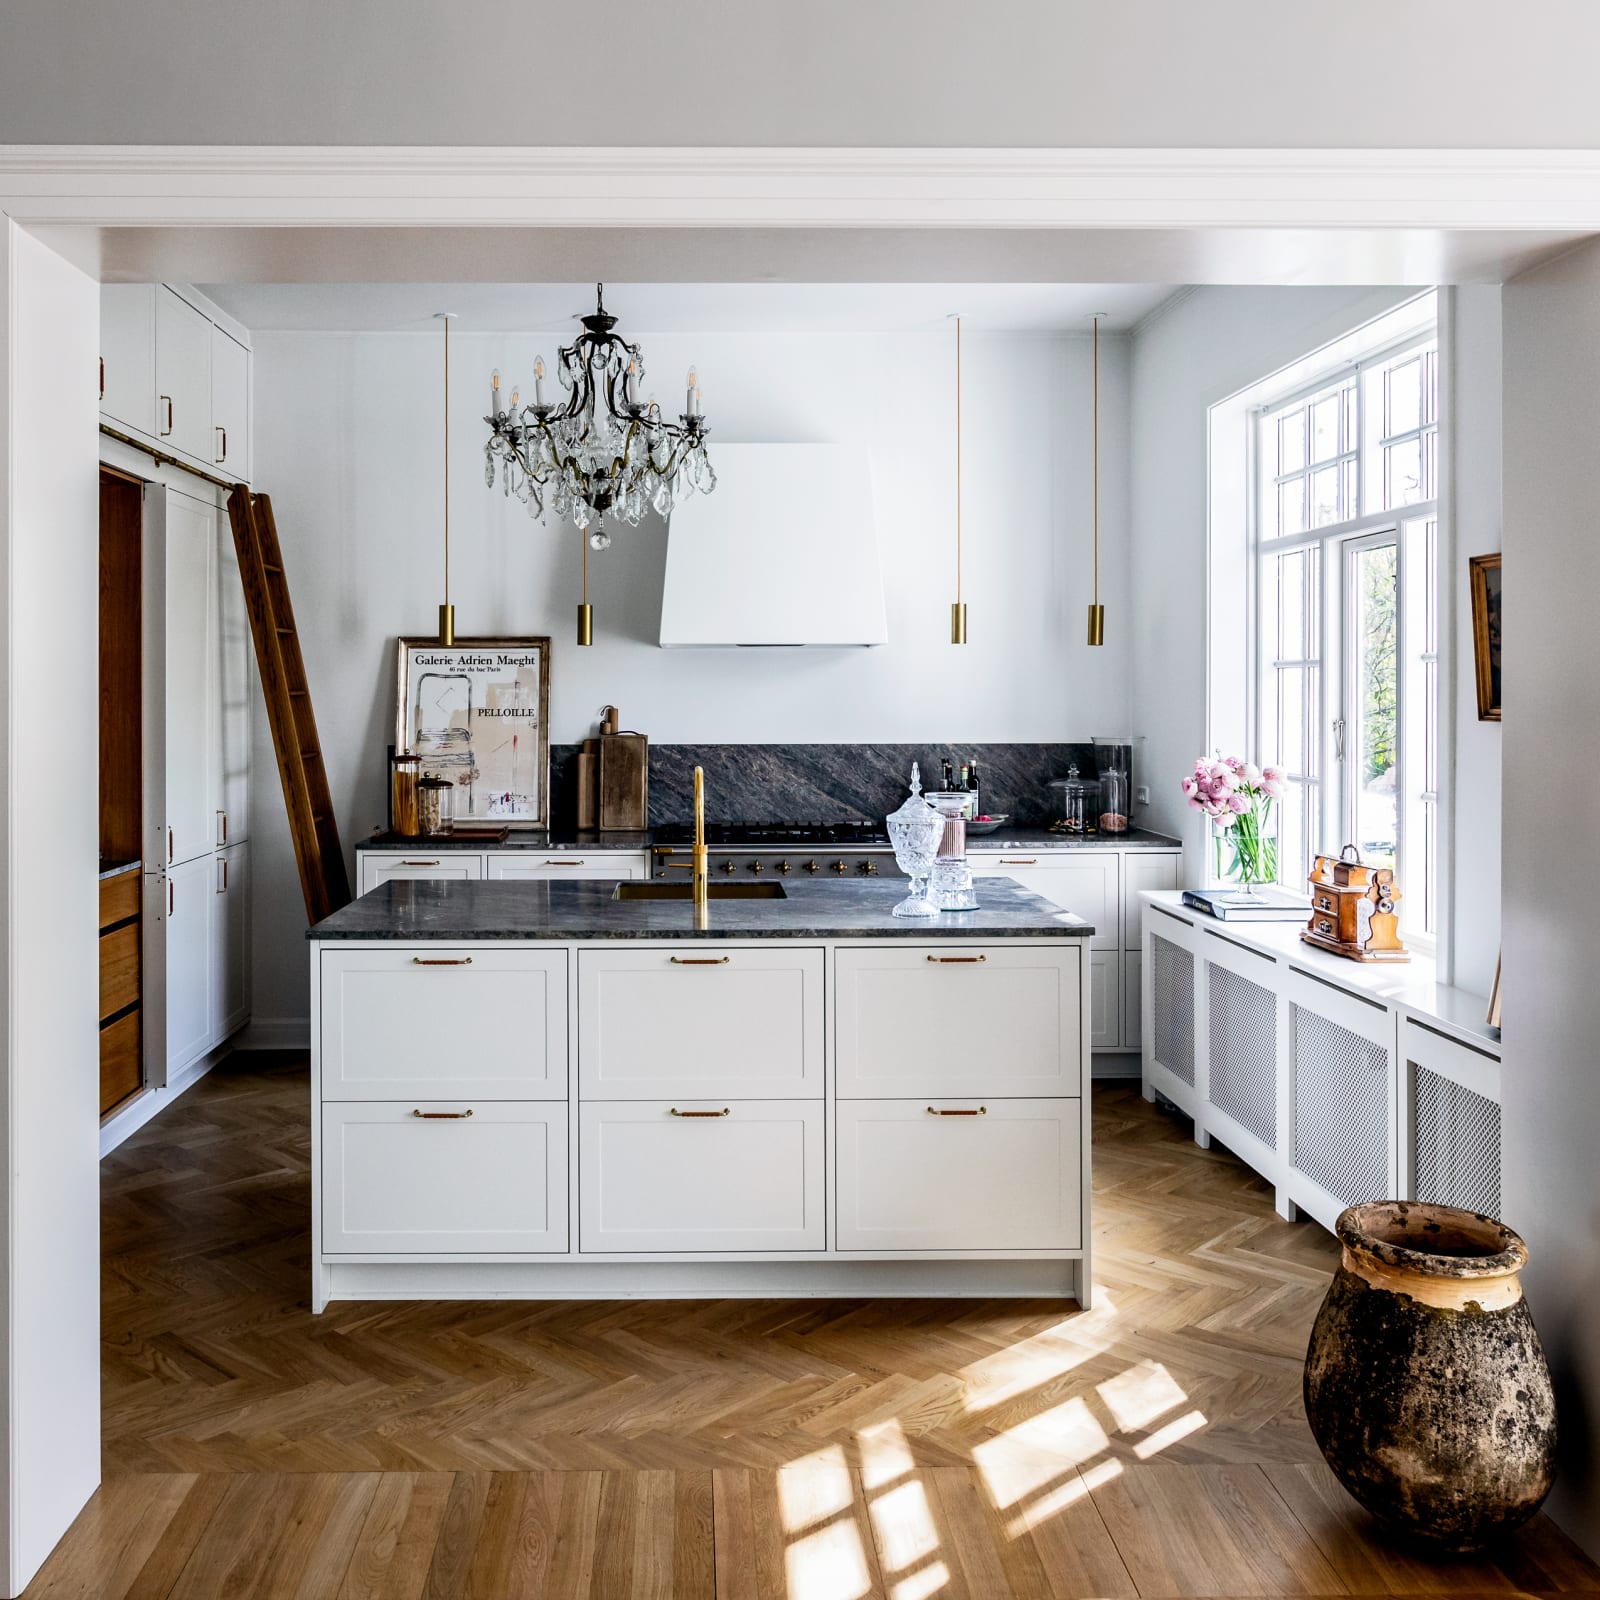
(119, 898)
(119, 969)
(1132, 968)
(659, 1176)
(444, 1020)
(930, 1020)
(1141, 871)
(700, 1021)
(1081, 881)
(422, 1177)
(1105, 1000)
(1008, 1177)
(514, 864)
(455, 866)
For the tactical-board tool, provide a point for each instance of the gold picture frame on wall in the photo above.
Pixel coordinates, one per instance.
(478, 713)
(1485, 575)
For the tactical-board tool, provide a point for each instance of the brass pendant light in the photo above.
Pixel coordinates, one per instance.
(585, 610)
(958, 611)
(1097, 612)
(447, 612)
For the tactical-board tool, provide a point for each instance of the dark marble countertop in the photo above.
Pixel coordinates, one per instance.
(557, 843)
(117, 869)
(1043, 839)
(540, 910)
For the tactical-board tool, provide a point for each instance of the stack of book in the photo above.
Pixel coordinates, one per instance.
(1239, 905)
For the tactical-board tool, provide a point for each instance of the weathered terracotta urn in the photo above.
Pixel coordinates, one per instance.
(1425, 1383)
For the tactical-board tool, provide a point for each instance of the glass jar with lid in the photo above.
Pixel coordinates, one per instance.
(1071, 803)
(434, 796)
(1115, 757)
(405, 771)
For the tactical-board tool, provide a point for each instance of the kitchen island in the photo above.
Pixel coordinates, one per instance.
(569, 1089)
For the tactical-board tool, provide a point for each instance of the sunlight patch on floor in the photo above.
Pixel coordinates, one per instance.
(1034, 1452)
(919, 1585)
(1026, 1365)
(904, 1526)
(885, 1455)
(1052, 1503)
(814, 1489)
(828, 1565)
(1179, 1428)
(1141, 1394)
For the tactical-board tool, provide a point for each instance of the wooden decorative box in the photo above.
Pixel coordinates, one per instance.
(1353, 909)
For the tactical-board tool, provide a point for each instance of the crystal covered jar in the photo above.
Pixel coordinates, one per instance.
(951, 888)
(915, 831)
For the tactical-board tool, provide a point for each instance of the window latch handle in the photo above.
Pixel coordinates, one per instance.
(1338, 738)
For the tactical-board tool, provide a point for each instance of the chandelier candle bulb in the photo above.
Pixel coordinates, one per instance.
(538, 380)
(494, 393)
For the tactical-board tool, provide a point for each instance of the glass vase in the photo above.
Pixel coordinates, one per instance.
(1252, 848)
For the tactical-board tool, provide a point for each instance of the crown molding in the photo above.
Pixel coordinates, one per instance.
(310, 186)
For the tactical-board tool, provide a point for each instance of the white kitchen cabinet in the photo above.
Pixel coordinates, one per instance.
(616, 865)
(230, 406)
(991, 1021)
(701, 1020)
(448, 866)
(128, 356)
(659, 1176)
(444, 1021)
(444, 1177)
(1105, 1000)
(1141, 870)
(190, 676)
(970, 1174)
(1082, 881)
(183, 376)
(235, 660)
(1132, 974)
(230, 942)
(186, 932)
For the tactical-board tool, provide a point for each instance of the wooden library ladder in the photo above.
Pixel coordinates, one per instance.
(323, 879)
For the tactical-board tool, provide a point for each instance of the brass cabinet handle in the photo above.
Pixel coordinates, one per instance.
(1019, 861)
(169, 844)
(699, 961)
(439, 961)
(551, 862)
(675, 1112)
(168, 429)
(222, 884)
(224, 456)
(956, 961)
(441, 1116)
(102, 377)
(421, 863)
(938, 1111)
(169, 897)
(222, 827)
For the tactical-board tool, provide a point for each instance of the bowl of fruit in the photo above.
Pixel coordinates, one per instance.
(981, 825)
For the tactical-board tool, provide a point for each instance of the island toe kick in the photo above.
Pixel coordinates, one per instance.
(719, 1118)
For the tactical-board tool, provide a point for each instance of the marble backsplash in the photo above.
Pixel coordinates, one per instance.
(831, 782)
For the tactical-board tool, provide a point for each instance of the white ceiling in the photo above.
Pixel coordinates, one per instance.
(644, 308)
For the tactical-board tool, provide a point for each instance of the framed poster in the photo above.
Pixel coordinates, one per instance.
(477, 712)
(1486, 634)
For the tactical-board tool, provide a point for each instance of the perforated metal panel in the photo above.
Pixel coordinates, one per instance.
(1341, 1109)
(1243, 1041)
(1457, 1144)
(1173, 982)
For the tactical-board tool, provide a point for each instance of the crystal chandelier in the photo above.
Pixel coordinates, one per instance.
(600, 452)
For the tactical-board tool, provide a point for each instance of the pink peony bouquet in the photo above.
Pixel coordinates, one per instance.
(1237, 796)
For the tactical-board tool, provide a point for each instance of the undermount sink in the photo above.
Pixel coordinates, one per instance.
(714, 891)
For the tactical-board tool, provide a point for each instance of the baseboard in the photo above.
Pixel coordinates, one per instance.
(275, 1033)
(121, 1125)
(1123, 1064)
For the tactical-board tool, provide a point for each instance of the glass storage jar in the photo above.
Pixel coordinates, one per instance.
(434, 795)
(404, 772)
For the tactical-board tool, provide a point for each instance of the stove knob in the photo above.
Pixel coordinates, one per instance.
(811, 867)
(868, 869)
(755, 866)
(839, 867)
(784, 868)
(727, 866)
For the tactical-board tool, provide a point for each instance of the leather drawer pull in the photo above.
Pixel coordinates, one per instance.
(421, 863)
(699, 961)
(1021, 861)
(442, 1116)
(578, 863)
(456, 961)
(724, 1112)
(935, 1111)
(956, 961)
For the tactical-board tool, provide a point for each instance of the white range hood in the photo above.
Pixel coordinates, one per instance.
(783, 552)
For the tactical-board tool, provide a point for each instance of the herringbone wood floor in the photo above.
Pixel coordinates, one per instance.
(743, 1450)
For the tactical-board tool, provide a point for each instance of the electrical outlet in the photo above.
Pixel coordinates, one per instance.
(1142, 794)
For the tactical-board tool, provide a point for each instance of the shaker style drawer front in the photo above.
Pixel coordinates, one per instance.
(1141, 871)
(701, 1020)
(610, 866)
(947, 1020)
(449, 866)
(959, 1175)
(445, 1020)
(659, 1176)
(425, 1177)
(1083, 882)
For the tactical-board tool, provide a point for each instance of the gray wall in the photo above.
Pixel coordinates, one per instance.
(1368, 73)
(1552, 875)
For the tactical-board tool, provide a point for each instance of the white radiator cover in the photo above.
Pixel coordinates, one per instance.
(783, 552)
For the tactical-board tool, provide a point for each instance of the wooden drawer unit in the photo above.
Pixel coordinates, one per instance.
(1081, 881)
(698, 1176)
(119, 969)
(444, 1178)
(701, 1020)
(119, 898)
(1000, 1020)
(959, 1175)
(456, 1020)
(614, 866)
(449, 866)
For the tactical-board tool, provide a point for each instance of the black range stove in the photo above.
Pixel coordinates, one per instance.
(853, 848)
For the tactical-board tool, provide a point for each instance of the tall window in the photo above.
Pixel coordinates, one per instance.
(1346, 620)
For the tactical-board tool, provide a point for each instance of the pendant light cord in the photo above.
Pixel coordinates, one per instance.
(447, 461)
(1097, 461)
(958, 460)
